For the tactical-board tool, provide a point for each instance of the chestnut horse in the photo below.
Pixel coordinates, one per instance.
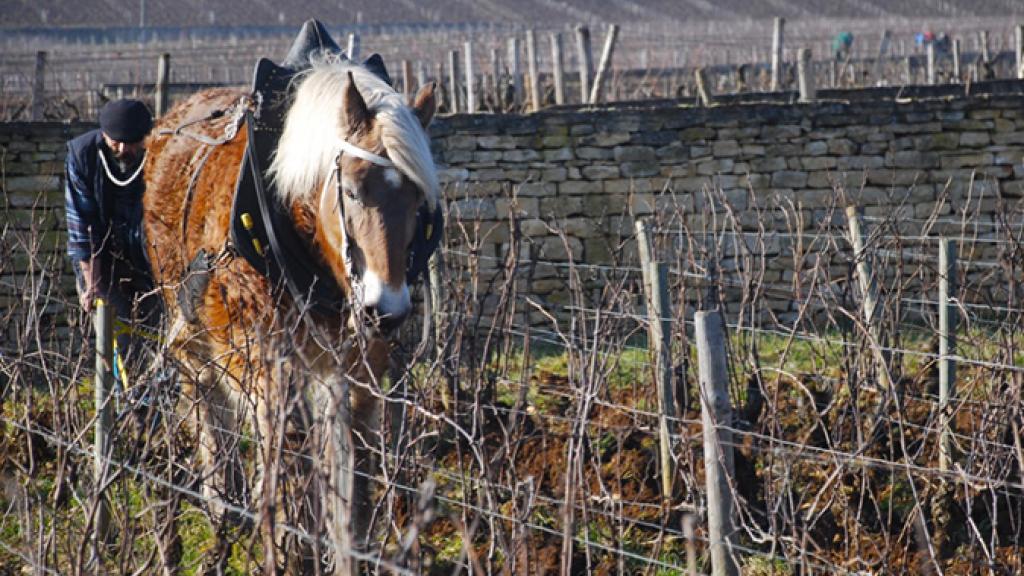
(353, 168)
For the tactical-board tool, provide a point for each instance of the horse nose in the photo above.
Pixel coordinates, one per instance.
(384, 321)
(386, 307)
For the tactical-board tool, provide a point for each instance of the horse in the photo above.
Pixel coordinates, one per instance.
(354, 172)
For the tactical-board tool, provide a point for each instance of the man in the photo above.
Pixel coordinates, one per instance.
(103, 199)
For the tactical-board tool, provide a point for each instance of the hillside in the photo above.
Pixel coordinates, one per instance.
(115, 13)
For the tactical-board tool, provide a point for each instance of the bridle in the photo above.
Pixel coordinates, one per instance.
(346, 147)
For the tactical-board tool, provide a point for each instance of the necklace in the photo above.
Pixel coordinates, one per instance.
(114, 179)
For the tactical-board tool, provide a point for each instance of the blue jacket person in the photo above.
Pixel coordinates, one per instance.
(103, 199)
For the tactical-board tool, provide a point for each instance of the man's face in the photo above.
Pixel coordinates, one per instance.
(126, 152)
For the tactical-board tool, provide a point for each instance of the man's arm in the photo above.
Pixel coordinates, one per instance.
(84, 238)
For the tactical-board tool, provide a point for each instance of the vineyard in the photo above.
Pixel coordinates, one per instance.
(535, 448)
(666, 333)
(80, 69)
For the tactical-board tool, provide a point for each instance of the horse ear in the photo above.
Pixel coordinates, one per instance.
(425, 104)
(357, 115)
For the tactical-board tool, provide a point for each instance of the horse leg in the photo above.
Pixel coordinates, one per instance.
(223, 478)
(353, 426)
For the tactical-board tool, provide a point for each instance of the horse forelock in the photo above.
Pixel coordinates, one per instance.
(308, 144)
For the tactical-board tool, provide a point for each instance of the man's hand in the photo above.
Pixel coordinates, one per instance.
(91, 283)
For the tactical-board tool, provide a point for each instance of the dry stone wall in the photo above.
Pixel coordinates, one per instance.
(787, 168)
(575, 179)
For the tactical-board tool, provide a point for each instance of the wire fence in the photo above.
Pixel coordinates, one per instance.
(523, 434)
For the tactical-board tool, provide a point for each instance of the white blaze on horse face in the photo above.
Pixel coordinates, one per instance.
(386, 300)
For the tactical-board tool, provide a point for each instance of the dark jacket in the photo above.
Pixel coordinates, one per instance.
(103, 219)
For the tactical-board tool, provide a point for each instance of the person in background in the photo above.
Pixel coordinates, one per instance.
(103, 199)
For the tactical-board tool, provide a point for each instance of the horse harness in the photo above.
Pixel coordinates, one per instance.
(262, 230)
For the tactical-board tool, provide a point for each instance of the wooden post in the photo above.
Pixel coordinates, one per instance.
(39, 86)
(531, 67)
(556, 68)
(163, 74)
(957, 73)
(103, 383)
(703, 94)
(805, 76)
(606, 62)
(655, 277)
(585, 60)
(691, 545)
(441, 94)
(947, 345)
(716, 418)
(498, 85)
(659, 315)
(1018, 35)
(868, 289)
(930, 52)
(407, 81)
(453, 81)
(883, 51)
(777, 47)
(983, 39)
(470, 80)
(434, 266)
(353, 46)
(514, 71)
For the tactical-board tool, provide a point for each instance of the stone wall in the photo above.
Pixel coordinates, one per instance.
(590, 173)
(576, 178)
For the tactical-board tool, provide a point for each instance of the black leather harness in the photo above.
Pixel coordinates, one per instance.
(262, 229)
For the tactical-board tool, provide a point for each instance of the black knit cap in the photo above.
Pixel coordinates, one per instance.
(126, 120)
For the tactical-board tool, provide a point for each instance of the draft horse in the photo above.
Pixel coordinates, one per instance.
(353, 172)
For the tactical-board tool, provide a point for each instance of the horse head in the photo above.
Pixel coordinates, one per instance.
(356, 152)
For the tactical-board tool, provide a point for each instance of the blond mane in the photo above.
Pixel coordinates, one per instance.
(307, 148)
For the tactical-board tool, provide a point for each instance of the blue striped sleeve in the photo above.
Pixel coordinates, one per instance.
(83, 216)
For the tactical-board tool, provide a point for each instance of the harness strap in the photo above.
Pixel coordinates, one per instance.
(353, 150)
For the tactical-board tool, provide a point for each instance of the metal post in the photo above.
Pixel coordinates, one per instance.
(103, 383)
(947, 344)
(163, 74)
(716, 418)
(556, 68)
(777, 47)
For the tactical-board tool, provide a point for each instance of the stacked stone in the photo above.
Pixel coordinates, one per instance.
(587, 175)
(37, 282)
(575, 180)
